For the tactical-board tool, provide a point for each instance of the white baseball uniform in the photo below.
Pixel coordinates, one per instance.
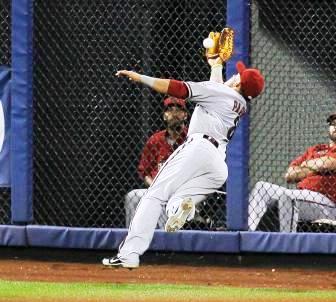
(195, 169)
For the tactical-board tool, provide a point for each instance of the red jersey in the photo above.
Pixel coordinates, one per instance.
(156, 152)
(322, 183)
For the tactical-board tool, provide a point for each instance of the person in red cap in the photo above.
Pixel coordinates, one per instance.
(156, 151)
(197, 168)
(314, 173)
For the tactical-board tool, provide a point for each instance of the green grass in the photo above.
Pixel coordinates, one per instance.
(44, 291)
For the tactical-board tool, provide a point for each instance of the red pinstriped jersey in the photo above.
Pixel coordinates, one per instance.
(156, 151)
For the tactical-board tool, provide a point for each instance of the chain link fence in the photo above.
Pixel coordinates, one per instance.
(90, 127)
(5, 59)
(293, 45)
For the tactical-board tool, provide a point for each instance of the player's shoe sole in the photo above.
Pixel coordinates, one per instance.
(117, 262)
(176, 221)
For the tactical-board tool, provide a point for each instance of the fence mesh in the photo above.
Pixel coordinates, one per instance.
(293, 44)
(90, 127)
(5, 59)
(5, 32)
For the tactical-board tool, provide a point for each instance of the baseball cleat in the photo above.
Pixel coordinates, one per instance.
(118, 262)
(176, 221)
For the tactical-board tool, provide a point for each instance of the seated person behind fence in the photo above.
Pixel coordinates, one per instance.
(314, 172)
(157, 149)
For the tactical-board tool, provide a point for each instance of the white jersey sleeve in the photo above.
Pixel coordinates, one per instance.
(210, 92)
(198, 91)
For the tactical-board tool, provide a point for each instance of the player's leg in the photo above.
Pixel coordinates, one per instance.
(140, 233)
(191, 160)
(303, 205)
(181, 206)
(180, 172)
(314, 206)
(262, 196)
(132, 200)
(180, 209)
(142, 227)
(288, 212)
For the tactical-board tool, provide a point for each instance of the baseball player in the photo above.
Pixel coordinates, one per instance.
(314, 172)
(197, 168)
(157, 150)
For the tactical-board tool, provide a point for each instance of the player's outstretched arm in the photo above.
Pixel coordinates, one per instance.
(174, 88)
(159, 85)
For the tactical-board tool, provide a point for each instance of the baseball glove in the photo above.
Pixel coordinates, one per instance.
(226, 41)
(223, 44)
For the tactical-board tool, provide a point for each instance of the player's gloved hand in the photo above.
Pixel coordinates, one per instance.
(225, 44)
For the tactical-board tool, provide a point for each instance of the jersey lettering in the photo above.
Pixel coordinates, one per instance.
(238, 108)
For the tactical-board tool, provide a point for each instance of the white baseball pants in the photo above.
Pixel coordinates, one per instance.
(293, 205)
(195, 169)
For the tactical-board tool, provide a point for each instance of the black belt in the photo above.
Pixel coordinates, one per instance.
(211, 140)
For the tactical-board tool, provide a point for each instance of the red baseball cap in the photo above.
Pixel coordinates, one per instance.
(171, 101)
(251, 80)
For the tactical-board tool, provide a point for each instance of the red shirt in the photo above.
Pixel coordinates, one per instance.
(156, 152)
(322, 183)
